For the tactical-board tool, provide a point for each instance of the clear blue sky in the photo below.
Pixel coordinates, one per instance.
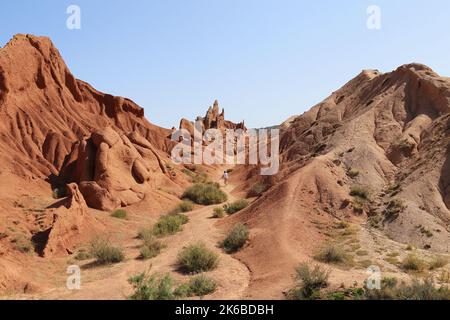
(264, 60)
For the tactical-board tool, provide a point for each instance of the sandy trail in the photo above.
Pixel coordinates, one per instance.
(111, 282)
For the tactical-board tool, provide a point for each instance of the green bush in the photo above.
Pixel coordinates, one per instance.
(23, 244)
(394, 208)
(197, 258)
(393, 188)
(205, 194)
(417, 290)
(119, 214)
(105, 253)
(153, 287)
(169, 224)
(186, 206)
(236, 238)
(150, 248)
(163, 287)
(342, 225)
(258, 189)
(359, 191)
(145, 233)
(183, 207)
(182, 291)
(82, 255)
(359, 205)
(236, 206)
(201, 285)
(404, 144)
(352, 173)
(218, 212)
(423, 290)
(201, 177)
(331, 254)
(438, 262)
(413, 263)
(188, 172)
(423, 230)
(310, 280)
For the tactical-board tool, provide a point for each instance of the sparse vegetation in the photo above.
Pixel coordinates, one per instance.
(169, 225)
(444, 277)
(163, 287)
(362, 253)
(151, 247)
(218, 213)
(394, 189)
(153, 287)
(375, 221)
(360, 191)
(144, 233)
(82, 254)
(365, 263)
(23, 244)
(331, 254)
(359, 204)
(423, 230)
(205, 194)
(188, 172)
(413, 263)
(342, 225)
(361, 197)
(438, 262)
(236, 238)
(310, 281)
(119, 214)
(200, 286)
(404, 145)
(183, 207)
(417, 290)
(197, 258)
(394, 208)
(393, 254)
(392, 260)
(201, 177)
(236, 206)
(258, 189)
(105, 253)
(352, 173)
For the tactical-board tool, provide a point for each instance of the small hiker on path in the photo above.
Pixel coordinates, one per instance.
(225, 177)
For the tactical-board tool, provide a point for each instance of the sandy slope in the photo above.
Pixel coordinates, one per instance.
(110, 282)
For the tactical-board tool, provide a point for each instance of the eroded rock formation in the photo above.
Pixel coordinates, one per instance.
(71, 226)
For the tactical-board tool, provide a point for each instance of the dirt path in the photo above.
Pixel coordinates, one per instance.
(111, 282)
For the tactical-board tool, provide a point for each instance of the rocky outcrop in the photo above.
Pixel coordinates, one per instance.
(55, 130)
(72, 225)
(45, 110)
(385, 134)
(212, 120)
(109, 169)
